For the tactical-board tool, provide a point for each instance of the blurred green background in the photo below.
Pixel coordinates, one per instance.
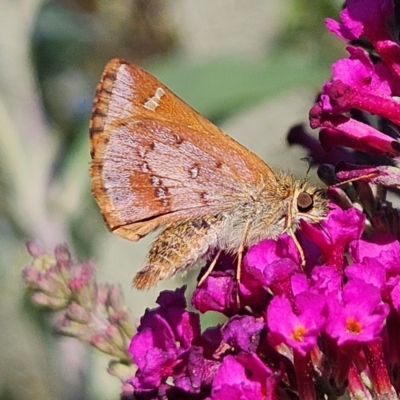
(252, 67)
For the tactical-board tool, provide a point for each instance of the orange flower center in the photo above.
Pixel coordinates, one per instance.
(298, 333)
(353, 326)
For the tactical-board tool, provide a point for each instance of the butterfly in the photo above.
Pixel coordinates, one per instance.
(158, 164)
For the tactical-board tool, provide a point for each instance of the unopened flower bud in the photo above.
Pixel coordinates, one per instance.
(83, 285)
(64, 325)
(114, 335)
(34, 248)
(77, 313)
(102, 343)
(64, 261)
(121, 371)
(54, 303)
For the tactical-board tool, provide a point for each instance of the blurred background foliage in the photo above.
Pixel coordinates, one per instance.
(253, 67)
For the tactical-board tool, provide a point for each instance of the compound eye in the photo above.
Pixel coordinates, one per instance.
(304, 202)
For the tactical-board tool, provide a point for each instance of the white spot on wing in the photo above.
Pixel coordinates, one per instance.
(160, 193)
(194, 172)
(153, 102)
(142, 152)
(145, 167)
(155, 180)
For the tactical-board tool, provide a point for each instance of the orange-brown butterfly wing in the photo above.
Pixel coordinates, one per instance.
(156, 161)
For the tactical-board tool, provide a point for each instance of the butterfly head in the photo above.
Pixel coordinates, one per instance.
(309, 203)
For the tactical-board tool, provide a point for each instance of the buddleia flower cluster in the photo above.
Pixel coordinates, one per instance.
(94, 313)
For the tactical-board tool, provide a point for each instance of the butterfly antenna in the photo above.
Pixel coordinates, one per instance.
(357, 178)
(310, 161)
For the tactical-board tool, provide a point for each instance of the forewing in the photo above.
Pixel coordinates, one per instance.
(155, 160)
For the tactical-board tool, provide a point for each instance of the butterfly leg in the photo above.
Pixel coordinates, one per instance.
(210, 268)
(240, 258)
(289, 229)
(299, 248)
